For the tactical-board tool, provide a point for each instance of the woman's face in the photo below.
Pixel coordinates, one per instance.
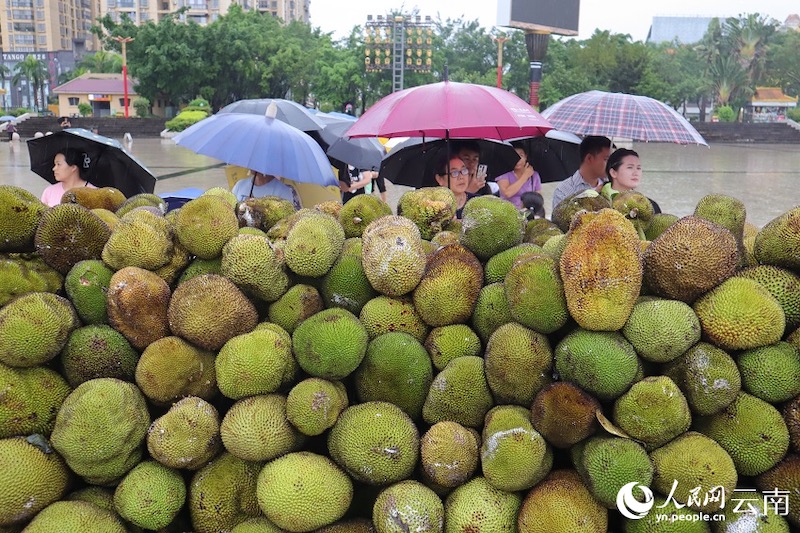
(61, 169)
(459, 179)
(523, 159)
(628, 175)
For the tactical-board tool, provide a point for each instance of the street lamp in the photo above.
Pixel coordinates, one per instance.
(500, 40)
(124, 41)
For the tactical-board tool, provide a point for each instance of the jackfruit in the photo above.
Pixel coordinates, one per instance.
(256, 429)
(588, 200)
(662, 330)
(490, 225)
(139, 239)
(564, 414)
(171, 368)
(32, 477)
(445, 237)
(635, 207)
(602, 363)
(30, 400)
(258, 362)
(20, 213)
(791, 415)
(194, 312)
(109, 217)
(296, 304)
(356, 525)
(535, 293)
(85, 517)
(677, 520)
(746, 511)
(102, 497)
(447, 292)
(204, 225)
(34, 328)
(554, 246)
(97, 351)
(303, 491)
(771, 372)
(430, 208)
(330, 344)
(491, 310)
(689, 258)
(263, 213)
(499, 264)
(142, 200)
(24, 273)
(776, 244)
(478, 506)
(392, 255)
(375, 442)
(100, 428)
(359, 211)
(383, 314)
(519, 363)
(751, 431)
(408, 506)
(177, 261)
(252, 264)
(707, 376)
(740, 314)
(260, 524)
(187, 436)
(68, 233)
(540, 230)
(314, 404)
(601, 268)
(659, 223)
(223, 193)
(783, 285)
(150, 495)
(313, 244)
(561, 503)
(346, 285)
(445, 343)
(689, 461)
(198, 267)
(459, 393)
(137, 305)
(653, 411)
(86, 285)
(606, 464)
(448, 454)
(784, 477)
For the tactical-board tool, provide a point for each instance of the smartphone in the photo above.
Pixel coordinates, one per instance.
(482, 172)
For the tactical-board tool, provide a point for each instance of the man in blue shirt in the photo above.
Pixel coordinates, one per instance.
(595, 150)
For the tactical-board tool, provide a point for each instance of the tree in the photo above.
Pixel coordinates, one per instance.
(35, 72)
(783, 62)
(749, 36)
(101, 61)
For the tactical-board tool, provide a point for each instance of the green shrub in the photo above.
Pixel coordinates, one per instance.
(793, 114)
(725, 113)
(198, 104)
(185, 119)
(142, 107)
(85, 109)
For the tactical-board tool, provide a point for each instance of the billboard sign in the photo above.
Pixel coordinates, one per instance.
(547, 16)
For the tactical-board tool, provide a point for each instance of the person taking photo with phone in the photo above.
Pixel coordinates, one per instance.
(470, 153)
(523, 178)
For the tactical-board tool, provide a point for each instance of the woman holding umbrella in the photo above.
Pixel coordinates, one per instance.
(67, 166)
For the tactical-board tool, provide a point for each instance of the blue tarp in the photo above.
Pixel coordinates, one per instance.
(178, 198)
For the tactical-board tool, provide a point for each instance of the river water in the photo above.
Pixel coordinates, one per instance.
(764, 177)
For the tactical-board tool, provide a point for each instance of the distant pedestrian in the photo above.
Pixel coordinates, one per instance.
(11, 129)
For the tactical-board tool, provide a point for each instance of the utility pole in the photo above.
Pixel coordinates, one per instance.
(124, 41)
(500, 40)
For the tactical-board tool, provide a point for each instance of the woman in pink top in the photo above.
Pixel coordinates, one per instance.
(67, 166)
(520, 180)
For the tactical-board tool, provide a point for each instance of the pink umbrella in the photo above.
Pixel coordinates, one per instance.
(451, 110)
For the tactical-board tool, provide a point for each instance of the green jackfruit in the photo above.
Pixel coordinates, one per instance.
(540, 230)
(359, 211)
(448, 290)
(30, 400)
(256, 429)
(746, 511)
(86, 285)
(776, 244)
(491, 310)
(588, 200)
(150, 495)
(448, 454)
(330, 344)
(785, 475)
(204, 225)
(771, 372)
(142, 200)
(635, 207)
(97, 351)
(199, 266)
(408, 506)
(535, 293)
(223, 193)
(253, 265)
(707, 376)
(445, 343)
(259, 362)
(69, 233)
(459, 393)
(606, 464)
(24, 273)
(783, 285)
(478, 506)
(728, 212)
(430, 208)
(659, 223)
(499, 264)
(20, 212)
(171, 368)
(296, 304)
(80, 516)
(392, 255)
(187, 436)
(661, 330)
(383, 314)
(519, 363)
(34, 328)
(139, 239)
(314, 404)
(346, 285)
(313, 244)
(490, 225)
(561, 503)
(263, 213)
(654, 411)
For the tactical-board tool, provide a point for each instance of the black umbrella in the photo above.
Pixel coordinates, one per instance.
(289, 112)
(109, 164)
(413, 162)
(555, 156)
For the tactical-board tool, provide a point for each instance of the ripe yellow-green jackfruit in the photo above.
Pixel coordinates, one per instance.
(20, 212)
(430, 208)
(263, 213)
(313, 244)
(535, 293)
(392, 255)
(445, 343)
(408, 506)
(679, 519)
(258, 362)
(303, 491)
(86, 285)
(499, 264)
(776, 244)
(108, 198)
(601, 268)
(747, 512)
(298, 303)
(137, 305)
(635, 207)
(187, 436)
(771, 372)
(384, 314)
(606, 464)
(783, 475)
(204, 225)
(150, 495)
(356, 525)
(97, 351)
(32, 476)
(256, 429)
(330, 344)
(661, 330)
(102, 497)
(459, 393)
(24, 273)
(34, 328)
(68, 233)
(253, 265)
(539, 230)
(447, 292)
(141, 200)
(448, 454)
(171, 368)
(223, 193)
(375, 442)
(259, 524)
(519, 363)
(707, 376)
(139, 239)
(314, 404)
(653, 411)
(198, 267)
(491, 310)
(346, 285)
(478, 506)
(30, 400)
(561, 503)
(359, 211)
(85, 517)
(658, 224)
(588, 200)
(564, 414)
(783, 285)
(490, 225)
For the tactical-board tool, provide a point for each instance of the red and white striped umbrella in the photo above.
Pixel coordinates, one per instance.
(621, 116)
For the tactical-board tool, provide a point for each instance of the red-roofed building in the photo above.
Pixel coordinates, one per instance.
(104, 92)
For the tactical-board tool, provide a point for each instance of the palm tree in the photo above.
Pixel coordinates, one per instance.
(728, 79)
(749, 37)
(4, 73)
(102, 61)
(35, 72)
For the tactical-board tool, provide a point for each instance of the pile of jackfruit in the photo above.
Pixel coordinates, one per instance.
(244, 367)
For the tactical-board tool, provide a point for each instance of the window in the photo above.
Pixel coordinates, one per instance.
(122, 102)
(74, 100)
(42, 39)
(41, 27)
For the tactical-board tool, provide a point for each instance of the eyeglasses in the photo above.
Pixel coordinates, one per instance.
(457, 173)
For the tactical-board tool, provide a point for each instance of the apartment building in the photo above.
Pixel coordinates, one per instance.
(200, 11)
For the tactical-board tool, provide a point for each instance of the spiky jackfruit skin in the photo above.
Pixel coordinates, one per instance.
(791, 416)
(34, 328)
(102, 497)
(23, 273)
(564, 414)
(256, 429)
(298, 303)
(100, 428)
(751, 515)
(223, 193)
(178, 260)
(330, 344)
(445, 343)
(776, 244)
(258, 362)
(602, 363)
(680, 520)
(86, 285)
(109, 217)
(659, 223)
(785, 475)
(150, 495)
(142, 200)
(383, 314)
(740, 314)
(260, 524)
(707, 376)
(314, 404)
(31, 478)
(662, 330)
(137, 304)
(607, 463)
(20, 212)
(97, 351)
(346, 284)
(514, 456)
(359, 211)
(459, 393)
(187, 436)
(490, 225)
(68, 233)
(194, 312)
(254, 266)
(171, 368)
(430, 208)
(408, 506)
(751, 431)
(204, 225)
(75, 516)
(491, 310)
(263, 213)
(539, 230)
(448, 454)
(223, 494)
(139, 239)
(771, 372)
(499, 264)
(198, 267)
(449, 288)
(561, 503)
(693, 460)
(392, 255)
(654, 411)
(303, 491)
(535, 293)
(30, 400)
(313, 244)
(601, 268)
(519, 363)
(636, 208)
(478, 506)
(783, 284)
(356, 525)
(726, 211)
(445, 237)
(689, 258)
(375, 443)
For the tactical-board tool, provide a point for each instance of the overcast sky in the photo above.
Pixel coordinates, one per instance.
(619, 16)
